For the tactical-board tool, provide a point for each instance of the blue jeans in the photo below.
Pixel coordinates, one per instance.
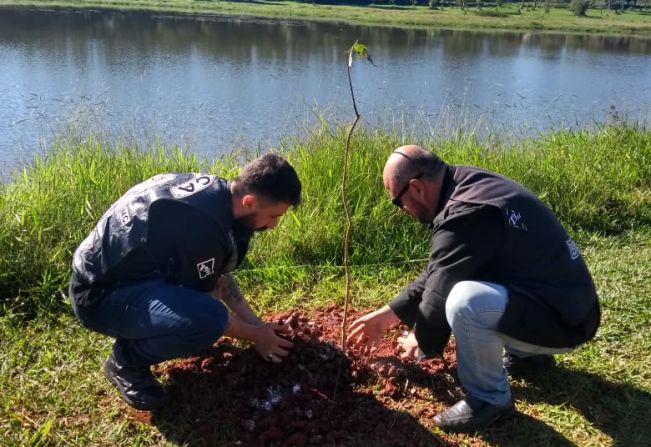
(473, 310)
(153, 321)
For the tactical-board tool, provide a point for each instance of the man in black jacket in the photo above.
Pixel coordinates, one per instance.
(503, 274)
(147, 272)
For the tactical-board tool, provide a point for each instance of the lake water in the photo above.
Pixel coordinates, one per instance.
(214, 83)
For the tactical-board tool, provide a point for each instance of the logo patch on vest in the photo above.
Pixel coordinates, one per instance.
(206, 268)
(125, 218)
(574, 250)
(515, 219)
(194, 185)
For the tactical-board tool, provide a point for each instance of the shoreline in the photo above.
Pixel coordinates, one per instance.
(559, 21)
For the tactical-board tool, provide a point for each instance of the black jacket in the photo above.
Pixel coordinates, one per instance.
(178, 227)
(489, 228)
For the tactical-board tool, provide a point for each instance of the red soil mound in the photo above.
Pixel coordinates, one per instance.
(317, 396)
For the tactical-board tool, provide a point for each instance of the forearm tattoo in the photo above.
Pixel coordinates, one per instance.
(228, 291)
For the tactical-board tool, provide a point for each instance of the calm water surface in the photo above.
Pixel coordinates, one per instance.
(211, 84)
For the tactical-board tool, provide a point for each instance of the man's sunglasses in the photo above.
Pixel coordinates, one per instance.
(397, 200)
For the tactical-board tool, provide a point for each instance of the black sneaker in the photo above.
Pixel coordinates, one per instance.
(533, 363)
(470, 415)
(138, 386)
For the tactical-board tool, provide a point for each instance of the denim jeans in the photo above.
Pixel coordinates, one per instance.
(153, 321)
(473, 310)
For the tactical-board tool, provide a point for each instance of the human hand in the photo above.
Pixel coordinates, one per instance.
(269, 344)
(409, 346)
(370, 328)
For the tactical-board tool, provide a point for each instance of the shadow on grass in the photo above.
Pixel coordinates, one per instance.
(620, 411)
(225, 396)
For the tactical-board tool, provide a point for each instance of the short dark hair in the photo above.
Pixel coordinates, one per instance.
(270, 177)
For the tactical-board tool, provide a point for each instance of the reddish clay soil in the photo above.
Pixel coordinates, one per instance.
(318, 396)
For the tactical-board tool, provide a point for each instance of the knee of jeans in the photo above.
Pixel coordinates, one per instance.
(209, 324)
(458, 306)
(89, 320)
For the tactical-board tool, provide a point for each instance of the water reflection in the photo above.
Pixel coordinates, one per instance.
(241, 39)
(210, 81)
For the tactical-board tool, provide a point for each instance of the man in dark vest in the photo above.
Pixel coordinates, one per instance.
(150, 270)
(503, 274)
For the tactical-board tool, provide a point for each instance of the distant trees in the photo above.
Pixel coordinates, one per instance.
(580, 7)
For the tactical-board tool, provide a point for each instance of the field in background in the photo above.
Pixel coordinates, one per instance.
(506, 17)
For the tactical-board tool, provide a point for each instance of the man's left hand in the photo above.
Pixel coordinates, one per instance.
(409, 347)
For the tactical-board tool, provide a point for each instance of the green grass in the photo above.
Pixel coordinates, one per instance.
(599, 183)
(599, 396)
(507, 17)
(595, 181)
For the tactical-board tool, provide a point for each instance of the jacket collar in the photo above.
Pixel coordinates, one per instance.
(446, 188)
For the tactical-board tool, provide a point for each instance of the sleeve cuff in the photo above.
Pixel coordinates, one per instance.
(404, 308)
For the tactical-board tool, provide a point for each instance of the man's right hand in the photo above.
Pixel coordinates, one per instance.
(269, 344)
(265, 336)
(370, 328)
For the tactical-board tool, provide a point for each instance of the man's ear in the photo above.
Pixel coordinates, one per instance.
(419, 188)
(249, 201)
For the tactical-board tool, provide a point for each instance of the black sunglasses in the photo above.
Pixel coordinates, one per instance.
(397, 200)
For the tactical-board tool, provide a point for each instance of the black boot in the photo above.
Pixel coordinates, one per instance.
(470, 414)
(138, 386)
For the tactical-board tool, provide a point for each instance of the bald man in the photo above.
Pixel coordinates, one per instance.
(503, 274)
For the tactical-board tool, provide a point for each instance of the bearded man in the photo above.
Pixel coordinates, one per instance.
(155, 271)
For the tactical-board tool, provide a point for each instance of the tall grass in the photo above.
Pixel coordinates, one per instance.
(596, 181)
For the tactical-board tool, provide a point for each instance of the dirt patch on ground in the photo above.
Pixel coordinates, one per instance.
(318, 396)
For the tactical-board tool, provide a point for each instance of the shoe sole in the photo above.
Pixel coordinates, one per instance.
(499, 417)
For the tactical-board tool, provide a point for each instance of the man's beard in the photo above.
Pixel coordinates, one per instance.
(424, 221)
(247, 223)
(423, 215)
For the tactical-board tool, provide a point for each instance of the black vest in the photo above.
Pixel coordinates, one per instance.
(552, 298)
(178, 227)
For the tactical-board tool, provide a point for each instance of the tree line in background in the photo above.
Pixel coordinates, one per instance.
(579, 7)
